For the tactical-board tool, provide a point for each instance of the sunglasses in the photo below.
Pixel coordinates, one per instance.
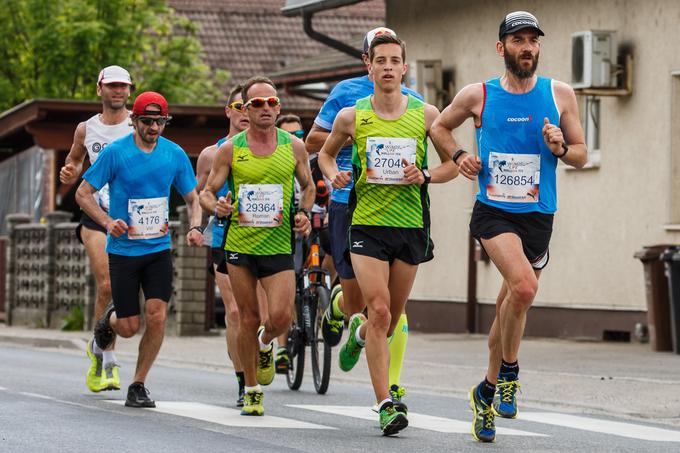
(148, 121)
(259, 102)
(236, 105)
(298, 133)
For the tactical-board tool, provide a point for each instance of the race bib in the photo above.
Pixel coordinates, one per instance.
(148, 218)
(514, 178)
(384, 159)
(260, 205)
(103, 197)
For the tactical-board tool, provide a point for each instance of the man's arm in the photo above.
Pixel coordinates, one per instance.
(85, 198)
(343, 130)
(446, 170)
(221, 167)
(468, 103)
(570, 133)
(303, 174)
(73, 165)
(194, 236)
(203, 165)
(317, 137)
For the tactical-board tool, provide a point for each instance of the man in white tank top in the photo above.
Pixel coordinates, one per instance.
(91, 136)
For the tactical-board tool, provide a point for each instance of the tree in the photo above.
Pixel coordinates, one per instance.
(55, 49)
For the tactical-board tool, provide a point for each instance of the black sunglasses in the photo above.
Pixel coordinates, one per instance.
(148, 121)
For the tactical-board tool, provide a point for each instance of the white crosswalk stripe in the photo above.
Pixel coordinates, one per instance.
(630, 430)
(429, 422)
(225, 416)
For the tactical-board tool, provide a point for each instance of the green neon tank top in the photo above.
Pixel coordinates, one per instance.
(262, 190)
(378, 145)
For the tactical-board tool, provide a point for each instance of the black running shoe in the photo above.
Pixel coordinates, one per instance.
(241, 394)
(103, 333)
(138, 396)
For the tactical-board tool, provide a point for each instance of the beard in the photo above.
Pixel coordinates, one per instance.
(513, 65)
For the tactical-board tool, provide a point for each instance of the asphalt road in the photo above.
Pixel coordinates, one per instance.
(45, 406)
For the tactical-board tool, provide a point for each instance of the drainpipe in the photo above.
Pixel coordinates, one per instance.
(327, 40)
(471, 307)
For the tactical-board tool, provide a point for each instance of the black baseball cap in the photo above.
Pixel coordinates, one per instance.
(516, 21)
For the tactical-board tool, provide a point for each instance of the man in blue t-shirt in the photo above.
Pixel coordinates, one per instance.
(140, 168)
(347, 300)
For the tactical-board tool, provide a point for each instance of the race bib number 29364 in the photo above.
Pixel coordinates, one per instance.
(260, 205)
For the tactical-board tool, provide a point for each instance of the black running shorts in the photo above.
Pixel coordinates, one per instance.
(533, 228)
(219, 259)
(87, 222)
(262, 265)
(152, 273)
(410, 245)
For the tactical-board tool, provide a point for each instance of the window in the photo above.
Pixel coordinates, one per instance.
(591, 128)
(674, 214)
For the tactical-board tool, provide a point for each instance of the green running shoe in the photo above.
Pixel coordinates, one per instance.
(397, 392)
(351, 350)
(265, 364)
(110, 379)
(282, 361)
(392, 421)
(94, 373)
(483, 423)
(252, 403)
(505, 398)
(332, 327)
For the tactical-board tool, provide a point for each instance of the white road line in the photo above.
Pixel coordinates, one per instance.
(428, 422)
(3, 388)
(225, 416)
(623, 429)
(36, 395)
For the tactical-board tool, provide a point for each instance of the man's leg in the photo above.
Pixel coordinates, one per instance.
(154, 317)
(280, 290)
(231, 320)
(244, 288)
(95, 246)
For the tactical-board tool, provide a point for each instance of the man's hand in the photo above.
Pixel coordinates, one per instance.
(470, 166)
(223, 207)
(412, 173)
(552, 135)
(302, 224)
(194, 238)
(116, 228)
(68, 174)
(341, 179)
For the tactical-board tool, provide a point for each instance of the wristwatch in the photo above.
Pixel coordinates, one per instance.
(426, 175)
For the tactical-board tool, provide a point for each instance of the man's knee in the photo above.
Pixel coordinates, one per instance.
(127, 327)
(155, 314)
(250, 320)
(104, 289)
(232, 315)
(524, 292)
(379, 316)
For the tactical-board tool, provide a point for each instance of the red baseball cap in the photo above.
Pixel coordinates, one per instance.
(147, 98)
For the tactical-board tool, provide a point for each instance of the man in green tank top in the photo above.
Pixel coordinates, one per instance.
(260, 165)
(389, 233)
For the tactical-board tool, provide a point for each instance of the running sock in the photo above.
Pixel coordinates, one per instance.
(486, 390)
(95, 347)
(108, 357)
(256, 388)
(241, 379)
(397, 345)
(335, 307)
(360, 341)
(384, 403)
(263, 346)
(509, 370)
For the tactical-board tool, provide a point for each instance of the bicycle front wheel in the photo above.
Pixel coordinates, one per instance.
(321, 352)
(296, 350)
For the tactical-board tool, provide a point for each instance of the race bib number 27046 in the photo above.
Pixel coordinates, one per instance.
(385, 159)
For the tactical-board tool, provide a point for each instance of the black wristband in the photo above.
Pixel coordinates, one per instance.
(457, 155)
(199, 228)
(565, 148)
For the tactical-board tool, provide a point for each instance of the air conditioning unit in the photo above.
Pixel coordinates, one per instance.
(593, 59)
(426, 77)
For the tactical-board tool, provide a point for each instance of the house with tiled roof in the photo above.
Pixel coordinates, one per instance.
(248, 38)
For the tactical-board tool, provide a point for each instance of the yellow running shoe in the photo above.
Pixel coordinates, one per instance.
(252, 403)
(265, 364)
(94, 373)
(110, 379)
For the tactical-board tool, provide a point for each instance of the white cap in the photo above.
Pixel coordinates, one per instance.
(114, 74)
(368, 39)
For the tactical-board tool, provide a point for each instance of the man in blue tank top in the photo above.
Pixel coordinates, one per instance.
(348, 301)
(524, 124)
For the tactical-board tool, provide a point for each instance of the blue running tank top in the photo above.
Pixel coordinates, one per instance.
(218, 230)
(518, 169)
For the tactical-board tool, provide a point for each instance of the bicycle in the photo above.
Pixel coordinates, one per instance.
(312, 297)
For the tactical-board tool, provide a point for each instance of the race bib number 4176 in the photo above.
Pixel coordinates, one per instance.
(385, 159)
(148, 218)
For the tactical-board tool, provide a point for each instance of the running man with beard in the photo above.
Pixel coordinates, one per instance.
(91, 136)
(525, 124)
